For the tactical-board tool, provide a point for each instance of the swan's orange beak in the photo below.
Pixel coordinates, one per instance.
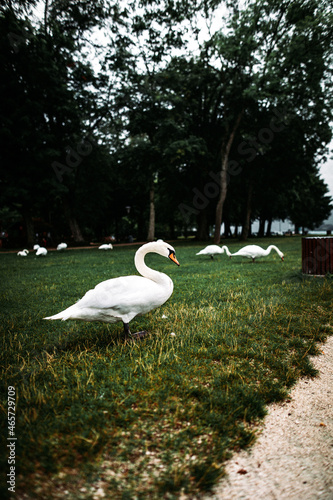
(173, 258)
(282, 258)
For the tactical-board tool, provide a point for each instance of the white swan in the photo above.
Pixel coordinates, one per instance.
(105, 247)
(123, 298)
(41, 251)
(253, 252)
(211, 250)
(62, 246)
(23, 253)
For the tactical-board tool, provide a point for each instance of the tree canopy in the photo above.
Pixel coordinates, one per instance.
(151, 118)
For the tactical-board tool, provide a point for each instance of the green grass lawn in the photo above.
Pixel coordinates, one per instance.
(153, 418)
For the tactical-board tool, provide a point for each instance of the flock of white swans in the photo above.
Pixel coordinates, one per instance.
(123, 298)
(61, 247)
(41, 251)
(250, 251)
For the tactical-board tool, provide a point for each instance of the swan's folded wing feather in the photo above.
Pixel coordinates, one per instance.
(127, 294)
(113, 293)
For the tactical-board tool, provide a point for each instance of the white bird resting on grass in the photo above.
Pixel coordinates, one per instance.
(106, 246)
(62, 246)
(253, 252)
(123, 298)
(23, 253)
(41, 251)
(211, 250)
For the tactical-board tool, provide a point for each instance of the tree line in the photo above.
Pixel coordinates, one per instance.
(153, 118)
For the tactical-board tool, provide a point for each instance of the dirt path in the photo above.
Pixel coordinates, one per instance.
(293, 457)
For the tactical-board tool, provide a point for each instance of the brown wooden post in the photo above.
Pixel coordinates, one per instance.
(317, 256)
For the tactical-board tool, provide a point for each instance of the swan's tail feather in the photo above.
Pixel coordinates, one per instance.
(63, 315)
(57, 316)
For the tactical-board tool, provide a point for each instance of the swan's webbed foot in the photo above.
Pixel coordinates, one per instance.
(138, 335)
(133, 336)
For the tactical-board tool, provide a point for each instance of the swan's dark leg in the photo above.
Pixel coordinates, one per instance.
(212, 257)
(133, 336)
(127, 332)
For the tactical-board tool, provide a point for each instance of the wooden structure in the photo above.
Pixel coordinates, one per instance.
(317, 255)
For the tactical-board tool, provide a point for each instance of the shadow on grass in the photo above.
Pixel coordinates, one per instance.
(93, 341)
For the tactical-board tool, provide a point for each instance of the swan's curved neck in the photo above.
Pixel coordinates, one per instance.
(226, 249)
(272, 247)
(144, 270)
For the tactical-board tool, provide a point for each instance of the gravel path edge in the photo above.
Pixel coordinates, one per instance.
(293, 456)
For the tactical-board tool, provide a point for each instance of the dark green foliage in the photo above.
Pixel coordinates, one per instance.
(80, 141)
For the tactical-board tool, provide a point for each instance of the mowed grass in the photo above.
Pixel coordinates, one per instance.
(159, 417)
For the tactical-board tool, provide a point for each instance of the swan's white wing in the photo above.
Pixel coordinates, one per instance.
(129, 295)
(41, 251)
(210, 249)
(118, 299)
(116, 293)
(105, 247)
(250, 251)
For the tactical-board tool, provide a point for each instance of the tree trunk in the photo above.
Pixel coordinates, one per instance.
(261, 230)
(72, 222)
(151, 226)
(222, 197)
(172, 229)
(227, 231)
(141, 225)
(203, 228)
(247, 222)
(29, 227)
(269, 227)
(46, 14)
(225, 150)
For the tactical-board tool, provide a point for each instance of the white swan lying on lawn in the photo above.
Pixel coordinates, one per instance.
(23, 253)
(105, 247)
(62, 246)
(211, 250)
(123, 298)
(253, 252)
(41, 251)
